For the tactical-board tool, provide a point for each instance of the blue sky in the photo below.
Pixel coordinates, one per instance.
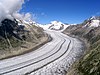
(67, 11)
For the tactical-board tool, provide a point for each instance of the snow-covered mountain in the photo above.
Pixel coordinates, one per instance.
(55, 25)
(90, 31)
(93, 22)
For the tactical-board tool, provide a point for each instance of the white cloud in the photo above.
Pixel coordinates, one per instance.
(12, 5)
(9, 7)
(18, 16)
(27, 16)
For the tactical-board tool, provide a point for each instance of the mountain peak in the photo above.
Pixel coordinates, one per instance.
(93, 21)
(94, 18)
(57, 25)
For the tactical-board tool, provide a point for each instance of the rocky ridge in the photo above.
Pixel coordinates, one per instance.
(89, 30)
(17, 36)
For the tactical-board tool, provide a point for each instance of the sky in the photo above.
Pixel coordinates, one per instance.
(66, 11)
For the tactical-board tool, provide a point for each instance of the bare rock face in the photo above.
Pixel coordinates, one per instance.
(11, 28)
(12, 34)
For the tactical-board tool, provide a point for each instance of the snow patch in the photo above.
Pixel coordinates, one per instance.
(95, 23)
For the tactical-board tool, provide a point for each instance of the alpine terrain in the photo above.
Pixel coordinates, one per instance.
(31, 45)
(89, 32)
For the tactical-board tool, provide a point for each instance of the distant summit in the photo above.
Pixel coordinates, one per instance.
(55, 25)
(93, 21)
(94, 18)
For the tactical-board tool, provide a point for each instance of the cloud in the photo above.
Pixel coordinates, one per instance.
(9, 7)
(18, 16)
(12, 5)
(27, 16)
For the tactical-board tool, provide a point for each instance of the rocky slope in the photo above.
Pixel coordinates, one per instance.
(89, 30)
(17, 37)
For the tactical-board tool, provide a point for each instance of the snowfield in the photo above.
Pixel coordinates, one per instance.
(54, 58)
(95, 23)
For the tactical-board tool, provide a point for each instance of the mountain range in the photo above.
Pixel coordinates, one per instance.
(54, 25)
(16, 35)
